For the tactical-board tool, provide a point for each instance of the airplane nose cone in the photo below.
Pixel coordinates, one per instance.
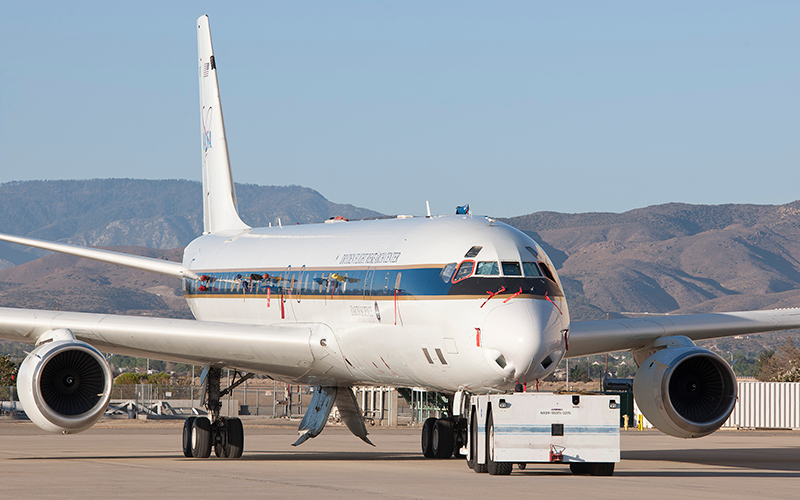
(514, 337)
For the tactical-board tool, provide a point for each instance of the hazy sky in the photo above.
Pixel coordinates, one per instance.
(512, 107)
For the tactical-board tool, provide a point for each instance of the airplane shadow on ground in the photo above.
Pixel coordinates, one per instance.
(749, 462)
(257, 456)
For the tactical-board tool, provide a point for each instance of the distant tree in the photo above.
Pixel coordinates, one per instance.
(782, 365)
(744, 366)
(131, 378)
(764, 364)
(158, 378)
(578, 373)
(8, 371)
(128, 379)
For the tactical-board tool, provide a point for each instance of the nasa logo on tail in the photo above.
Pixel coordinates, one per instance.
(207, 129)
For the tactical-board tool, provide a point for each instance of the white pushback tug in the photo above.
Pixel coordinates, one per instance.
(581, 430)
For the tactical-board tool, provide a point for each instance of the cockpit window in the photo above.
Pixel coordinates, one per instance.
(547, 272)
(531, 269)
(473, 252)
(533, 252)
(487, 269)
(447, 272)
(464, 270)
(511, 269)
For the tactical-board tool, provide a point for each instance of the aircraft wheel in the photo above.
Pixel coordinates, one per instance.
(473, 447)
(601, 469)
(234, 444)
(427, 437)
(579, 468)
(187, 437)
(442, 438)
(494, 468)
(201, 438)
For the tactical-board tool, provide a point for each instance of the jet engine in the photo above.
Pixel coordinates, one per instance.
(686, 391)
(64, 384)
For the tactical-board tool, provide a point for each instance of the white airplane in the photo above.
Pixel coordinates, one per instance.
(459, 304)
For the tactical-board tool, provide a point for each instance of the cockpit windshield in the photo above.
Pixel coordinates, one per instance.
(464, 270)
(511, 269)
(531, 269)
(487, 269)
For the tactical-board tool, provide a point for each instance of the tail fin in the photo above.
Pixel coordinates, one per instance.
(219, 197)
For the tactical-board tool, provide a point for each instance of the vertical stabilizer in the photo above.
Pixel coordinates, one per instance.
(219, 197)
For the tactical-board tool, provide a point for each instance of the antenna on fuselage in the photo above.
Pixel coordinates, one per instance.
(219, 197)
(428, 206)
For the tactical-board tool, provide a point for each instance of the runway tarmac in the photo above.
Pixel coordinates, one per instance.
(130, 458)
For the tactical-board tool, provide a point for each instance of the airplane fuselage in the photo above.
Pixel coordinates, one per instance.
(448, 303)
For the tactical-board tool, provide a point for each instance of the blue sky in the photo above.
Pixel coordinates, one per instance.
(512, 107)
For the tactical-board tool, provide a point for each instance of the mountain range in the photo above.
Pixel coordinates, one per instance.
(674, 258)
(150, 213)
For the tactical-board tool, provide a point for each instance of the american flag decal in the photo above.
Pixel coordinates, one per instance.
(205, 70)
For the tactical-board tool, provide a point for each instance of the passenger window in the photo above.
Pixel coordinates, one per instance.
(531, 269)
(464, 271)
(487, 269)
(511, 269)
(447, 272)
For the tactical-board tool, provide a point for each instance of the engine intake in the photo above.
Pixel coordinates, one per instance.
(64, 384)
(685, 391)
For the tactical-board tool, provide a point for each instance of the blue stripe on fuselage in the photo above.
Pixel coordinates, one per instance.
(356, 283)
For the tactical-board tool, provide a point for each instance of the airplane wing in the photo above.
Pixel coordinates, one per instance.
(597, 337)
(159, 266)
(264, 349)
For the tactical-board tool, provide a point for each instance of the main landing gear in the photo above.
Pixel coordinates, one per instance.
(444, 437)
(224, 434)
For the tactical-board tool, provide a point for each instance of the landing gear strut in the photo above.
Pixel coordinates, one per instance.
(225, 435)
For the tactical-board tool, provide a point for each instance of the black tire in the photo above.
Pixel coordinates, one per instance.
(442, 438)
(187, 437)
(201, 438)
(601, 469)
(522, 465)
(234, 445)
(579, 468)
(427, 437)
(473, 446)
(494, 468)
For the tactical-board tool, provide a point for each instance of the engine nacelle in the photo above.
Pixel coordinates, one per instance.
(64, 384)
(686, 392)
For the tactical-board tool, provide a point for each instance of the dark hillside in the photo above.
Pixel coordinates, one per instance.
(149, 213)
(676, 257)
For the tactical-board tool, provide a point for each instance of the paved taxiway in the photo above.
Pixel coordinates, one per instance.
(141, 459)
